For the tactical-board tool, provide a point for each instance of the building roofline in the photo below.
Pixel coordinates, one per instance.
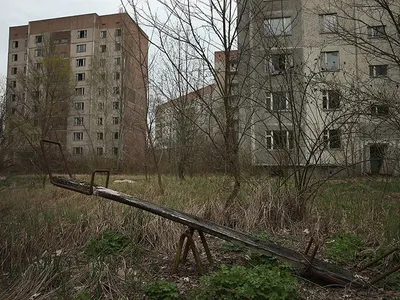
(192, 95)
(82, 15)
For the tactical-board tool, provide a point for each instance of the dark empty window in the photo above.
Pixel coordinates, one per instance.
(378, 70)
(82, 34)
(332, 138)
(377, 32)
(330, 99)
(379, 109)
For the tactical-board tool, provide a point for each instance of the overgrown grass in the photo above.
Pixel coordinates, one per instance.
(46, 231)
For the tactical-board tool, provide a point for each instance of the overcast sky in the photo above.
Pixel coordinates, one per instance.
(20, 12)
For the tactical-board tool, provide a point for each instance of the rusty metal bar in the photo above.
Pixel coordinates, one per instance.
(42, 143)
(309, 246)
(190, 231)
(205, 245)
(371, 263)
(187, 236)
(178, 253)
(92, 179)
(380, 277)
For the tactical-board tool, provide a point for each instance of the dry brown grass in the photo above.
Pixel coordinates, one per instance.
(44, 231)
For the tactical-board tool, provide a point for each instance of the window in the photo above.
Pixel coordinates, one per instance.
(24, 69)
(81, 48)
(100, 135)
(102, 91)
(118, 32)
(379, 109)
(15, 44)
(37, 66)
(279, 139)
(81, 62)
(103, 76)
(77, 150)
(14, 71)
(117, 47)
(103, 48)
(99, 150)
(103, 34)
(63, 41)
(13, 84)
(378, 70)
(39, 39)
(80, 91)
(278, 63)
(117, 75)
(100, 121)
(36, 95)
(330, 99)
(115, 120)
(39, 52)
(117, 61)
(332, 139)
(277, 101)
(25, 56)
(13, 97)
(115, 150)
(329, 23)
(102, 62)
(78, 136)
(330, 61)
(80, 76)
(116, 90)
(78, 121)
(79, 105)
(100, 106)
(116, 135)
(115, 105)
(377, 32)
(14, 57)
(278, 26)
(82, 34)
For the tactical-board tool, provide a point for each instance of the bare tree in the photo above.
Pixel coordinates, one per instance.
(38, 100)
(204, 27)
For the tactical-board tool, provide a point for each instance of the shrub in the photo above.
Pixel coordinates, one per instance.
(344, 247)
(159, 290)
(110, 242)
(259, 282)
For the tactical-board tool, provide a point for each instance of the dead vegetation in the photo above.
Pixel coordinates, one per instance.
(48, 234)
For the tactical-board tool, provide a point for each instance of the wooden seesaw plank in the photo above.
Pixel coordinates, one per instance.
(317, 268)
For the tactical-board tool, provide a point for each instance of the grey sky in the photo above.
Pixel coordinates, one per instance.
(20, 12)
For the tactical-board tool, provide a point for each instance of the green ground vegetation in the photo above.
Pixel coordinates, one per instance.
(65, 245)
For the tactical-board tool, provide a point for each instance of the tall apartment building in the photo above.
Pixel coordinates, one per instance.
(190, 128)
(81, 80)
(323, 78)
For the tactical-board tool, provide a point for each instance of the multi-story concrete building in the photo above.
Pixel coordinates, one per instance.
(191, 126)
(103, 112)
(322, 77)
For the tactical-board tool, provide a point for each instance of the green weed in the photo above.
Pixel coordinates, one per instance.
(161, 290)
(109, 242)
(259, 282)
(344, 247)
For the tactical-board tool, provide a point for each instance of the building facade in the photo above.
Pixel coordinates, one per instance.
(323, 79)
(81, 80)
(192, 126)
